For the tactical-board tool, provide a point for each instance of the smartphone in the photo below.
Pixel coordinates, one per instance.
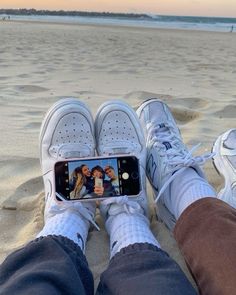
(97, 178)
(98, 182)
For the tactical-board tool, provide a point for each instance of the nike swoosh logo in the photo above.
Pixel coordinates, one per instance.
(80, 240)
(151, 170)
(113, 244)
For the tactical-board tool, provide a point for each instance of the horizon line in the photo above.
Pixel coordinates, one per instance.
(111, 12)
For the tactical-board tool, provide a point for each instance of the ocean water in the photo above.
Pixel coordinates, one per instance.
(218, 24)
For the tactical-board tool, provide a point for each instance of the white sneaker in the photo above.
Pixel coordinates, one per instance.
(118, 131)
(167, 156)
(66, 132)
(224, 160)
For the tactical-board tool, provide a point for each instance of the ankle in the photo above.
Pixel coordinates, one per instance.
(128, 229)
(67, 224)
(185, 189)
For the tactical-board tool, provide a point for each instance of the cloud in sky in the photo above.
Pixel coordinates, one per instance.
(173, 7)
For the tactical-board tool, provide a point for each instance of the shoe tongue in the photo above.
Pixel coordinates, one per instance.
(157, 114)
(163, 128)
(230, 142)
(161, 125)
(157, 124)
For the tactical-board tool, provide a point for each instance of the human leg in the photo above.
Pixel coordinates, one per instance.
(66, 132)
(206, 235)
(138, 265)
(175, 175)
(143, 269)
(186, 197)
(49, 265)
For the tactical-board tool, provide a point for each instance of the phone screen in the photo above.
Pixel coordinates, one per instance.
(97, 178)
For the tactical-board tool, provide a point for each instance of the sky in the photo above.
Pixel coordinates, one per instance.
(222, 8)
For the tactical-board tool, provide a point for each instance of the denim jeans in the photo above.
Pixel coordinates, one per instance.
(56, 265)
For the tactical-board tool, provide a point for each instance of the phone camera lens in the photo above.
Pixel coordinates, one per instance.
(125, 175)
(134, 175)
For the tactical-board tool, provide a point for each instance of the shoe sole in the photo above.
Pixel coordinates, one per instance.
(164, 215)
(58, 105)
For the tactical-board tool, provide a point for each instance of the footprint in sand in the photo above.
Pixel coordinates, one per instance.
(25, 220)
(25, 190)
(30, 88)
(33, 125)
(23, 76)
(144, 95)
(192, 103)
(184, 115)
(228, 112)
(33, 113)
(3, 78)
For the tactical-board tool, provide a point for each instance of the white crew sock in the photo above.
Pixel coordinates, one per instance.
(67, 224)
(126, 229)
(185, 189)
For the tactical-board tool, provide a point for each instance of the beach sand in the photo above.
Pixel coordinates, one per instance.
(194, 72)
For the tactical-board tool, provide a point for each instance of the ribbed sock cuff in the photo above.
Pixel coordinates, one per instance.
(69, 225)
(127, 229)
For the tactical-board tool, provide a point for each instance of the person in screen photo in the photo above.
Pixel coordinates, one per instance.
(88, 179)
(78, 181)
(111, 174)
(106, 190)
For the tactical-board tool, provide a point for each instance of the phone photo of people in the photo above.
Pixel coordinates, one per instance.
(97, 178)
(93, 178)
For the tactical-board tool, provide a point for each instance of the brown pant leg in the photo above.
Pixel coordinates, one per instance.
(206, 235)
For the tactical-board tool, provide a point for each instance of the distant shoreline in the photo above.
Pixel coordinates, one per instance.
(33, 11)
(121, 19)
(136, 16)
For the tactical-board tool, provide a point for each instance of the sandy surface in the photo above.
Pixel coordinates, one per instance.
(194, 72)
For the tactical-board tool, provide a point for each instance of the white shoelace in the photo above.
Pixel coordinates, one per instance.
(129, 206)
(77, 207)
(177, 159)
